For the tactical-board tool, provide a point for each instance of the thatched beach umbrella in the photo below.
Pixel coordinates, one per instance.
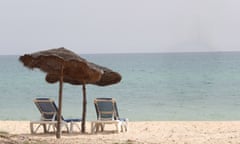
(65, 66)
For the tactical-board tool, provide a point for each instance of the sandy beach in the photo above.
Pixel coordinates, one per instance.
(154, 132)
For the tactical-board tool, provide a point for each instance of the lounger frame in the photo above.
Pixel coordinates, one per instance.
(48, 119)
(108, 117)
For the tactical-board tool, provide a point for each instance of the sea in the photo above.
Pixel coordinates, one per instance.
(189, 86)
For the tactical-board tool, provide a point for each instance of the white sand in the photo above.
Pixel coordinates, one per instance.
(199, 132)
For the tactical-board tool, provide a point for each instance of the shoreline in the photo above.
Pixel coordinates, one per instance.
(164, 132)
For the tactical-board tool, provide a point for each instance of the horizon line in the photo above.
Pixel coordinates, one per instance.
(105, 53)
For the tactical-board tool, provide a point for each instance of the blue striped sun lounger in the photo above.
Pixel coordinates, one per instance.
(107, 113)
(48, 119)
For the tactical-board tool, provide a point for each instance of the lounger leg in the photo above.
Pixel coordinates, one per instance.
(31, 128)
(65, 124)
(35, 131)
(71, 127)
(121, 127)
(49, 127)
(102, 125)
(118, 125)
(97, 127)
(93, 127)
(54, 127)
(72, 124)
(44, 128)
(69, 131)
(126, 127)
(76, 123)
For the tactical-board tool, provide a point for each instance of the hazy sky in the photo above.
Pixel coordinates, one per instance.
(116, 26)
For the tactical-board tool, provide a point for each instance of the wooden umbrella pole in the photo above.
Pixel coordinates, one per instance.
(59, 115)
(84, 108)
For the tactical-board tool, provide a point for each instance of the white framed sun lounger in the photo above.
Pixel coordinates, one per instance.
(48, 121)
(107, 113)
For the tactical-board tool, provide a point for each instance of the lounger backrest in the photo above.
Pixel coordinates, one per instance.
(47, 108)
(105, 108)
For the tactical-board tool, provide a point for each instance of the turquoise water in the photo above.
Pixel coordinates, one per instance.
(164, 86)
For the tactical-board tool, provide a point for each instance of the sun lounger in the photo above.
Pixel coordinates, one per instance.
(107, 113)
(48, 120)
